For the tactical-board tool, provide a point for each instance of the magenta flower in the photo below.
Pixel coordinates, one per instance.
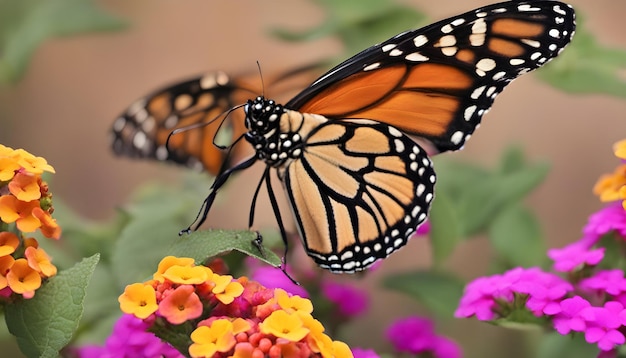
(610, 218)
(130, 339)
(423, 229)
(603, 325)
(607, 281)
(544, 290)
(416, 335)
(271, 277)
(575, 256)
(350, 300)
(569, 318)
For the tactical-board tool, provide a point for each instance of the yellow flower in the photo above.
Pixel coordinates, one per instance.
(293, 303)
(8, 166)
(31, 163)
(186, 275)
(13, 210)
(609, 185)
(284, 325)
(139, 300)
(168, 262)
(23, 279)
(226, 290)
(208, 340)
(619, 149)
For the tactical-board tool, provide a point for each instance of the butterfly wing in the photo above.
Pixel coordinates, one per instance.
(358, 191)
(438, 81)
(142, 130)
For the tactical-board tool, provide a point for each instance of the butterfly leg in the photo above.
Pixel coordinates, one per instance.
(279, 220)
(220, 180)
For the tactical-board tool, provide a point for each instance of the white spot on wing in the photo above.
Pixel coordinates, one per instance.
(416, 56)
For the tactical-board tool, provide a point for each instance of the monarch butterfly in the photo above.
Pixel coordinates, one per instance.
(357, 184)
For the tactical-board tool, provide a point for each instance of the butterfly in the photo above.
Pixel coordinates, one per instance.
(352, 149)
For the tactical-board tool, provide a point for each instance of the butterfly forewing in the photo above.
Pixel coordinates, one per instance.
(438, 81)
(358, 191)
(142, 131)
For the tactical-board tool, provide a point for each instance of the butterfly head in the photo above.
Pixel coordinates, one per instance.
(263, 118)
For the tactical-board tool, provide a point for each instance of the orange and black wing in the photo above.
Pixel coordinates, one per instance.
(437, 82)
(143, 129)
(358, 192)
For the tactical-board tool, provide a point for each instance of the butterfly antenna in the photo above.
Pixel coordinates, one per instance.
(224, 114)
(258, 65)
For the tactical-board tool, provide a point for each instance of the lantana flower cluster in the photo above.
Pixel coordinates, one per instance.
(222, 317)
(591, 299)
(25, 206)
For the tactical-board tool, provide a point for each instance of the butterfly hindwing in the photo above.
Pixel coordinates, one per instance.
(437, 82)
(358, 191)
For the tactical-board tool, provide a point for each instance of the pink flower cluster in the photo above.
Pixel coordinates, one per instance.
(592, 301)
(416, 336)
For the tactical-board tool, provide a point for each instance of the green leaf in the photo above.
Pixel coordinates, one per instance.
(439, 292)
(45, 324)
(154, 220)
(512, 160)
(208, 243)
(483, 199)
(554, 345)
(587, 67)
(444, 227)
(25, 24)
(516, 236)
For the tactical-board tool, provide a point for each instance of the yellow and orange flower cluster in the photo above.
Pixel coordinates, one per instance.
(230, 318)
(25, 206)
(612, 187)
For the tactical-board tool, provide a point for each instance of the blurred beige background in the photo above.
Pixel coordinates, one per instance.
(75, 87)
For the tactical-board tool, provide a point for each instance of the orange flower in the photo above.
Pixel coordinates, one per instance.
(49, 226)
(25, 187)
(8, 243)
(13, 210)
(23, 279)
(181, 305)
(39, 261)
(6, 262)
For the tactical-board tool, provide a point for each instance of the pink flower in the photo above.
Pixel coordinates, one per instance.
(603, 325)
(575, 256)
(607, 281)
(350, 300)
(544, 290)
(610, 218)
(272, 277)
(416, 335)
(569, 318)
(364, 353)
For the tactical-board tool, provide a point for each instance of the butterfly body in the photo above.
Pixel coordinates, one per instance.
(357, 184)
